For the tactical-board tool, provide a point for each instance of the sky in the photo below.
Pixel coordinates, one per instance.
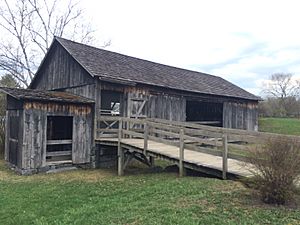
(242, 41)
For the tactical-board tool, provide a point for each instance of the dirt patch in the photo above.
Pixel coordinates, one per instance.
(251, 198)
(7, 174)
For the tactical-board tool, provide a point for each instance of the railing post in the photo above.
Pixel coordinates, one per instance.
(146, 136)
(225, 153)
(120, 151)
(181, 152)
(128, 128)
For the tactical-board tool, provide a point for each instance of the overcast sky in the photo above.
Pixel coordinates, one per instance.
(241, 41)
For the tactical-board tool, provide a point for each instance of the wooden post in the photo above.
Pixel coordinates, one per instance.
(181, 152)
(7, 136)
(146, 134)
(128, 128)
(120, 151)
(151, 160)
(225, 153)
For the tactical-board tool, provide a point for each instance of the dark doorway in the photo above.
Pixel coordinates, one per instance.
(59, 127)
(111, 103)
(208, 113)
(14, 122)
(59, 138)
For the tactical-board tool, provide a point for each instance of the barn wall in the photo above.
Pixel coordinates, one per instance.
(35, 127)
(13, 138)
(240, 115)
(60, 70)
(147, 103)
(13, 131)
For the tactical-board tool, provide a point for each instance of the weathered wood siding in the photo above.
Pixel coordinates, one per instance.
(26, 132)
(240, 115)
(13, 132)
(144, 103)
(35, 127)
(60, 70)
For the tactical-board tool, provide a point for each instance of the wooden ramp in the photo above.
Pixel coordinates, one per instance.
(214, 150)
(203, 162)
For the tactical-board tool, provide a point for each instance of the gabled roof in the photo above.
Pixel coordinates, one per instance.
(38, 95)
(115, 67)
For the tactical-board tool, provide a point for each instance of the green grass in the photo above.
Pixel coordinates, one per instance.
(288, 126)
(100, 197)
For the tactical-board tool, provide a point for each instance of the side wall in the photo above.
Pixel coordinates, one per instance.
(59, 70)
(35, 127)
(14, 132)
(144, 101)
(155, 105)
(240, 115)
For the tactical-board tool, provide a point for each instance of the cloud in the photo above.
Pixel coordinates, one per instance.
(242, 41)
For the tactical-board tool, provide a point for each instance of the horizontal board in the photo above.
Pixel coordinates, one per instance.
(132, 133)
(167, 133)
(59, 153)
(59, 142)
(202, 140)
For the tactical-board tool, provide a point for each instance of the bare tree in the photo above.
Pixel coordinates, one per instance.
(284, 88)
(28, 26)
(282, 85)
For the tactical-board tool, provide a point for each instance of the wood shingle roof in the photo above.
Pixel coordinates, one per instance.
(41, 95)
(113, 66)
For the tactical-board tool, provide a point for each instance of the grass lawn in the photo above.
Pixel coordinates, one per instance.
(280, 125)
(101, 197)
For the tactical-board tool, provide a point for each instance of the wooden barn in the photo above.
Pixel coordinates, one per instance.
(132, 87)
(76, 84)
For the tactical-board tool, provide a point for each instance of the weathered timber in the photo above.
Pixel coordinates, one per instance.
(224, 157)
(120, 151)
(181, 153)
(146, 136)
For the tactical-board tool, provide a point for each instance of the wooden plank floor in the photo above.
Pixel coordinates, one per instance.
(235, 167)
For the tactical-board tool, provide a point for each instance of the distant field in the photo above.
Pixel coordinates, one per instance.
(280, 125)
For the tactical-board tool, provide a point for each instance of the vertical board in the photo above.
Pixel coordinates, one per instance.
(240, 115)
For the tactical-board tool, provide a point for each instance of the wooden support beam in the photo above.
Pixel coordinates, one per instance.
(181, 152)
(152, 160)
(225, 155)
(120, 151)
(128, 157)
(146, 136)
(142, 158)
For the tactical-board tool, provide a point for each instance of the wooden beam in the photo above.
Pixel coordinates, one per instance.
(152, 160)
(181, 153)
(146, 136)
(225, 154)
(59, 153)
(120, 151)
(59, 142)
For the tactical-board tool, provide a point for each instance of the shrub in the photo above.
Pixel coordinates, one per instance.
(276, 169)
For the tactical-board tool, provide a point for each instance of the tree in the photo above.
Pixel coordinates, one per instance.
(283, 90)
(282, 85)
(28, 26)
